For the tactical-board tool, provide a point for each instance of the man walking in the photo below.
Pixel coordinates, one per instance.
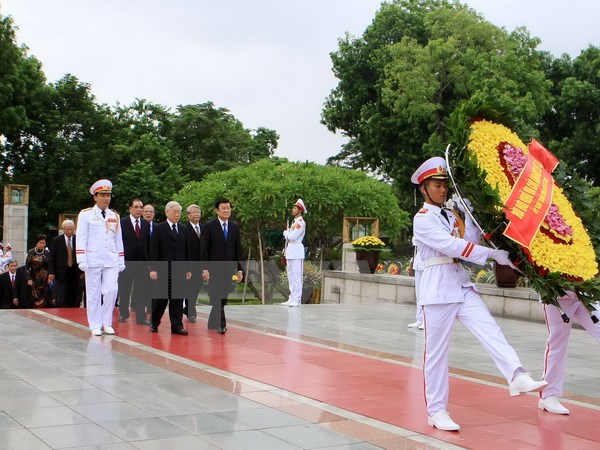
(195, 283)
(221, 249)
(63, 270)
(100, 255)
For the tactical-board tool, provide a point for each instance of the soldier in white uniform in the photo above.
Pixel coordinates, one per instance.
(100, 255)
(446, 293)
(294, 253)
(556, 346)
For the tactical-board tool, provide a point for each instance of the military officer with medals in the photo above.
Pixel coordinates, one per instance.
(100, 255)
(294, 253)
(446, 293)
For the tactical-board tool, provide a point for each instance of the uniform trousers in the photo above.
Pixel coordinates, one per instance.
(101, 288)
(558, 341)
(439, 320)
(295, 272)
(419, 315)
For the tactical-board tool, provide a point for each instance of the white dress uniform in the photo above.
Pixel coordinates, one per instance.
(558, 340)
(100, 252)
(294, 255)
(447, 293)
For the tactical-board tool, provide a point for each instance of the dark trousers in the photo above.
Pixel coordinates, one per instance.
(175, 289)
(193, 289)
(133, 288)
(66, 291)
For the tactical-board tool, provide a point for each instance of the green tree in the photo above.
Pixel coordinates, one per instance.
(211, 139)
(572, 126)
(400, 81)
(263, 192)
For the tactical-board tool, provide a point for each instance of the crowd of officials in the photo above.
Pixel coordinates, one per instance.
(131, 262)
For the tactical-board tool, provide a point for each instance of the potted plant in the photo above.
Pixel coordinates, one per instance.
(368, 252)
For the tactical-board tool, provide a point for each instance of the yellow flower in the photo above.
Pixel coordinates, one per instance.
(368, 242)
(575, 257)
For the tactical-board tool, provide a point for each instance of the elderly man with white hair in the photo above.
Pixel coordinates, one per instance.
(169, 255)
(63, 270)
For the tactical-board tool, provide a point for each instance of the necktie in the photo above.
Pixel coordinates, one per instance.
(69, 253)
(12, 279)
(137, 228)
(174, 228)
(225, 229)
(445, 214)
(103, 214)
(198, 230)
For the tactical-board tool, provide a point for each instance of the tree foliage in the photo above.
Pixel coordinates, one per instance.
(400, 81)
(262, 195)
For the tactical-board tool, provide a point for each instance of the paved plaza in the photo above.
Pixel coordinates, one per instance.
(329, 376)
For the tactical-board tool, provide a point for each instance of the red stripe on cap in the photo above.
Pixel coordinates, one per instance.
(428, 173)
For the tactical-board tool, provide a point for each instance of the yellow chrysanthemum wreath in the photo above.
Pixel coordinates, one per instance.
(576, 258)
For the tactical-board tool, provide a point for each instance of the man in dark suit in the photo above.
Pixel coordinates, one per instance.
(170, 243)
(221, 250)
(133, 281)
(148, 215)
(195, 284)
(14, 287)
(63, 270)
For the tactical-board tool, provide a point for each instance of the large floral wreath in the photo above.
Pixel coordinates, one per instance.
(488, 160)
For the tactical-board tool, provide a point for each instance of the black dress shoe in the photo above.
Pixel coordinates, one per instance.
(192, 320)
(143, 322)
(154, 329)
(222, 330)
(123, 319)
(180, 331)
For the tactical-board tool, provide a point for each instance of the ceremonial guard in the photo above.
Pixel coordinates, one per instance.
(294, 253)
(557, 344)
(446, 293)
(100, 255)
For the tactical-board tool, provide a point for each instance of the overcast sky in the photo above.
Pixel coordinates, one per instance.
(267, 61)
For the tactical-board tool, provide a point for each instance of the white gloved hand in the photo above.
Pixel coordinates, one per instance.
(501, 257)
(461, 206)
(83, 267)
(121, 267)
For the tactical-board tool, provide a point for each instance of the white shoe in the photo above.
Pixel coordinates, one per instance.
(109, 330)
(416, 324)
(285, 303)
(524, 383)
(96, 332)
(551, 404)
(442, 421)
(294, 304)
(422, 326)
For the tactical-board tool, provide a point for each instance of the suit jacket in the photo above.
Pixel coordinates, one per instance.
(58, 257)
(213, 246)
(135, 249)
(165, 245)
(20, 290)
(196, 254)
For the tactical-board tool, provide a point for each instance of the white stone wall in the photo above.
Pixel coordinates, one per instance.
(348, 287)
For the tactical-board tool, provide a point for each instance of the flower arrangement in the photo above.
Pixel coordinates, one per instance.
(491, 158)
(367, 243)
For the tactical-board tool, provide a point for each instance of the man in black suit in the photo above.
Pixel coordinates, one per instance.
(14, 287)
(170, 244)
(148, 215)
(221, 249)
(195, 284)
(133, 281)
(63, 269)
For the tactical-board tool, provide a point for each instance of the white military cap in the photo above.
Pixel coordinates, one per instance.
(432, 168)
(99, 186)
(300, 204)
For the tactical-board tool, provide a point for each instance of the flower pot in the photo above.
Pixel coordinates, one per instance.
(506, 277)
(367, 261)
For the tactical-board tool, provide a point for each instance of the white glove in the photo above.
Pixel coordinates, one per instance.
(461, 206)
(83, 267)
(121, 267)
(501, 257)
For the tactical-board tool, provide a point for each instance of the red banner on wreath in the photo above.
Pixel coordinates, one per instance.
(528, 202)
